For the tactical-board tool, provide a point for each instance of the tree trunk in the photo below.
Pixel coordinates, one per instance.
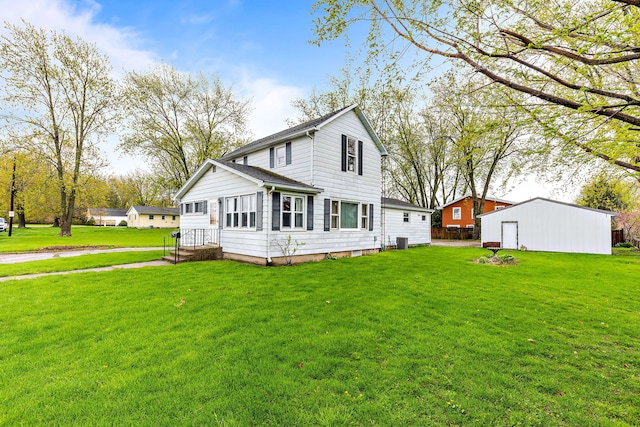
(22, 222)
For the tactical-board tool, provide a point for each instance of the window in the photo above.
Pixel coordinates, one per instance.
(424, 217)
(245, 160)
(498, 207)
(198, 207)
(292, 211)
(173, 217)
(348, 215)
(405, 217)
(351, 154)
(335, 213)
(162, 217)
(457, 213)
(281, 156)
(364, 217)
(240, 212)
(188, 208)
(150, 217)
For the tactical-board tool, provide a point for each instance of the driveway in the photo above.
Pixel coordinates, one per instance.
(460, 243)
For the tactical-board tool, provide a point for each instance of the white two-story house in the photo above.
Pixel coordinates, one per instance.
(314, 188)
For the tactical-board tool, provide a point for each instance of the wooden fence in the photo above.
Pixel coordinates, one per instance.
(452, 233)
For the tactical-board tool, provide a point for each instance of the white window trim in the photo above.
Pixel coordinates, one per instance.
(338, 215)
(293, 212)
(236, 222)
(453, 213)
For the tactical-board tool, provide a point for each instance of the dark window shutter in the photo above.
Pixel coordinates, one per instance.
(205, 206)
(327, 214)
(181, 208)
(359, 157)
(287, 148)
(220, 212)
(371, 217)
(259, 211)
(309, 212)
(272, 158)
(275, 212)
(344, 153)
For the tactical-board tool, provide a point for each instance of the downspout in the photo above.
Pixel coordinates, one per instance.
(269, 215)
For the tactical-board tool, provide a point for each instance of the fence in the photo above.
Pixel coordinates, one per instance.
(452, 233)
(617, 236)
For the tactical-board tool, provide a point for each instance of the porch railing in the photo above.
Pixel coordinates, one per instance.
(198, 237)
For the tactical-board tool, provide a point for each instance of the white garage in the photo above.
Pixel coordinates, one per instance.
(406, 221)
(547, 225)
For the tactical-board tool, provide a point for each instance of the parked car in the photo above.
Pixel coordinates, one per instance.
(3, 225)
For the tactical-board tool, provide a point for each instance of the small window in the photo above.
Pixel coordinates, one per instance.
(364, 216)
(335, 213)
(351, 154)
(292, 212)
(163, 217)
(405, 217)
(173, 217)
(498, 207)
(245, 160)
(281, 156)
(151, 217)
(457, 213)
(188, 207)
(424, 217)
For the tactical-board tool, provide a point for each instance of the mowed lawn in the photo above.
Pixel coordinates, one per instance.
(418, 337)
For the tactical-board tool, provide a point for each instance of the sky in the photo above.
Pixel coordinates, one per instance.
(258, 47)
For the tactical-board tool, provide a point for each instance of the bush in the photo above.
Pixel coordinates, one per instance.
(123, 223)
(506, 258)
(624, 245)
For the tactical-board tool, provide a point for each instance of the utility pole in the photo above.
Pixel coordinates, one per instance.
(13, 193)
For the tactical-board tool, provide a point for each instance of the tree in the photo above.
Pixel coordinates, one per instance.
(488, 138)
(578, 60)
(62, 97)
(605, 193)
(179, 121)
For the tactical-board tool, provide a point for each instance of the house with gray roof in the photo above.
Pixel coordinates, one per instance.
(153, 217)
(311, 190)
(106, 216)
(404, 220)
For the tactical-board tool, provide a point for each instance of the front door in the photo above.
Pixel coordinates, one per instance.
(510, 235)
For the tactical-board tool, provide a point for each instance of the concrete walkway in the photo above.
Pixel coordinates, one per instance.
(460, 243)
(38, 256)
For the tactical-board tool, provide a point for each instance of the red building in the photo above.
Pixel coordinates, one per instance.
(459, 212)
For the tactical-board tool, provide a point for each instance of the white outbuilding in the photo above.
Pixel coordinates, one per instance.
(405, 221)
(548, 225)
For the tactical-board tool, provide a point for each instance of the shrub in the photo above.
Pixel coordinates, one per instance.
(123, 223)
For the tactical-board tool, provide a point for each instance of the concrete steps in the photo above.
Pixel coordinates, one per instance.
(191, 253)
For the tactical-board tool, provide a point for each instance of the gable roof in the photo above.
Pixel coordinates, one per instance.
(106, 212)
(400, 204)
(155, 210)
(493, 199)
(304, 129)
(261, 177)
(551, 201)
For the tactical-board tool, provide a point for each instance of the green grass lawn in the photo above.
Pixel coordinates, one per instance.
(417, 337)
(80, 262)
(38, 237)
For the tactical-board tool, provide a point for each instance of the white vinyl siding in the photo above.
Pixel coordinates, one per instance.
(417, 230)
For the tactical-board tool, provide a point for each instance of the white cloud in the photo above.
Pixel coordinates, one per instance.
(120, 44)
(271, 103)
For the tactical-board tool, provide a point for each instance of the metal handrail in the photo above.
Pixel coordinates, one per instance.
(199, 237)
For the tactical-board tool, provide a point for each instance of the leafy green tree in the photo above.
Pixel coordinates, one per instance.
(61, 97)
(606, 193)
(178, 120)
(576, 62)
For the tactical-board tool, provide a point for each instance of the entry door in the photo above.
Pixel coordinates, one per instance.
(510, 235)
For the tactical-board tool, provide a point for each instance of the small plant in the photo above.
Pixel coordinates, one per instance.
(123, 223)
(288, 247)
(483, 260)
(506, 258)
(331, 256)
(624, 245)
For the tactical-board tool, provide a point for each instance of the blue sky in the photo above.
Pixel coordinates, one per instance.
(259, 47)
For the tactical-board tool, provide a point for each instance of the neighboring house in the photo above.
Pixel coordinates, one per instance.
(318, 182)
(153, 217)
(402, 219)
(106, 216)
(459, 212)
(547, 225)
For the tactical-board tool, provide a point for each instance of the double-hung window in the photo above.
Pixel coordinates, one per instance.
(351, 154)
(292, 211)
(405, 217)
(240, 212)
(457, 213)
(348, 215)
